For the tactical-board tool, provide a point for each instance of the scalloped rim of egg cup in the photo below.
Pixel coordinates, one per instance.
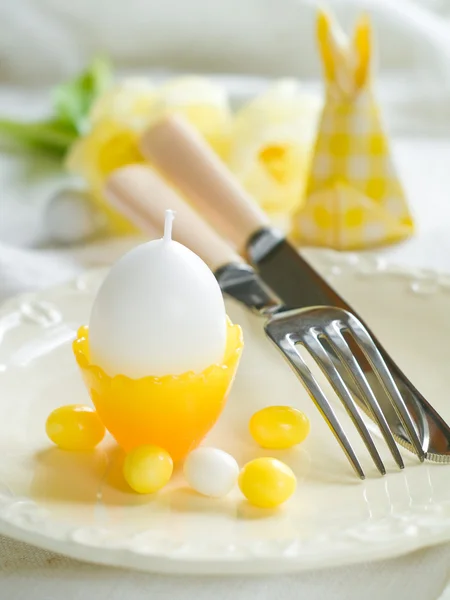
(174, 412)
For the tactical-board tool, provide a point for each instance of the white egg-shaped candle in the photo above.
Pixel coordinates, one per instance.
(159, 312)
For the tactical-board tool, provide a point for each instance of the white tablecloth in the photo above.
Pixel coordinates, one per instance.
(411, 41)
(27, 573)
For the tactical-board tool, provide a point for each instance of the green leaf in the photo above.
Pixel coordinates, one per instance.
(51, 135)
(73, 100)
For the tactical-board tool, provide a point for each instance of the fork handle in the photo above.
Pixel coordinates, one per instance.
(143, 197)
(184, 157)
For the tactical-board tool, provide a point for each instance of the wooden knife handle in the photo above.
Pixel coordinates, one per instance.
(179, 152)
(143, 197)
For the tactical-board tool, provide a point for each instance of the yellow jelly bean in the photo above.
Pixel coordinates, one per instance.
(267, 482)
(279, 427)
(75, 427)
(147, 469)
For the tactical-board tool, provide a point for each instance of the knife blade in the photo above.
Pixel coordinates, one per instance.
(284, 270)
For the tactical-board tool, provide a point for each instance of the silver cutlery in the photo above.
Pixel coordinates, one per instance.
(177, 150)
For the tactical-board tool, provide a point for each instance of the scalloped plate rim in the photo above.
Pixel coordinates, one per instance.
(413, 535)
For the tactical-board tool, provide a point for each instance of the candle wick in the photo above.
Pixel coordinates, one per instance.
(170, 215)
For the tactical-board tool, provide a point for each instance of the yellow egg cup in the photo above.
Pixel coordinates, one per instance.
(174, 412)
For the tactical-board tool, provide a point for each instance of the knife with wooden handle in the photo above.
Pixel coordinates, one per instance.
(178, 151)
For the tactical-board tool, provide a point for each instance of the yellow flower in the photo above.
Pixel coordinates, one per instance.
(116, 121)
(271, 145)
(131, 102)
(120, 115)
(138, 103)
(204, 103)
(109, 145)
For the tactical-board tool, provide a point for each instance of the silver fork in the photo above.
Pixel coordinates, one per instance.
(142, 196)
(319, 330)
(322, 331)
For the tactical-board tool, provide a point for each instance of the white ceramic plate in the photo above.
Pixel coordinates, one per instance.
(78, 504)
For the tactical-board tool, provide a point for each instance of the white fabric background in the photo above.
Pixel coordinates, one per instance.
(44, 40)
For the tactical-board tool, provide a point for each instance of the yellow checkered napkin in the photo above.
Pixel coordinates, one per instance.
(353, 197)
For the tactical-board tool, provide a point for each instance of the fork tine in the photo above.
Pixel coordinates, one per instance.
(320, 355)
(383, 374)
(340, 346)
(319, 399)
